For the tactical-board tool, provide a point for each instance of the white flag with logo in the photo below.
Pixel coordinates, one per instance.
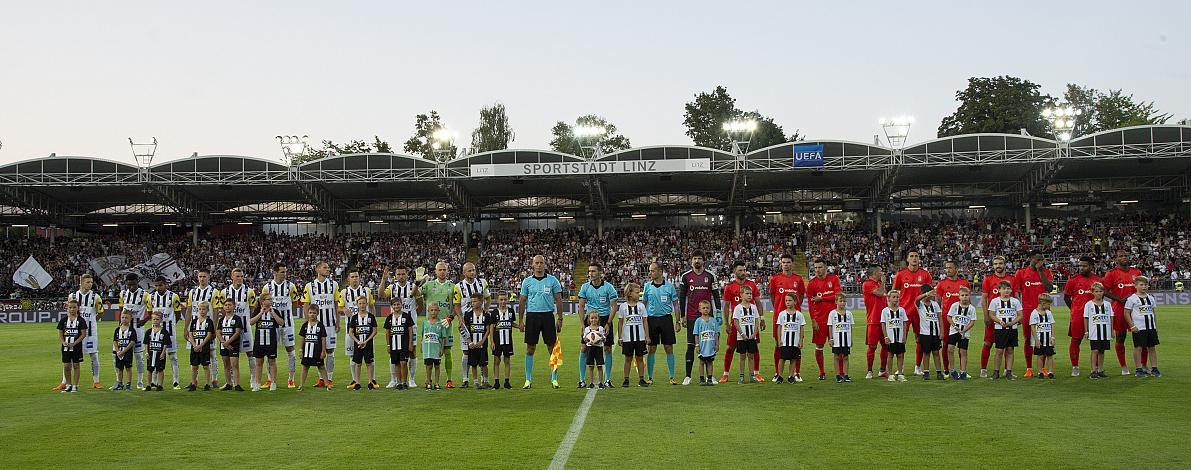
(107, 268)
(32, 275)
(168, 267)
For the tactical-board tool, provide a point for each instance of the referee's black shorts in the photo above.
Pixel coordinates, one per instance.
(661, 330)
(540, 323)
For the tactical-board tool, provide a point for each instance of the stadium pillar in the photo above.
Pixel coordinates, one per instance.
(194, 235)
(877, 220)
(736, 223)
(1027, 214)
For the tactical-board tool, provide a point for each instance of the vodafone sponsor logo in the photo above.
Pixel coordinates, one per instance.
(1121, 285)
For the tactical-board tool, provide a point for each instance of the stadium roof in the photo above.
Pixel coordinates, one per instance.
(1150, 164)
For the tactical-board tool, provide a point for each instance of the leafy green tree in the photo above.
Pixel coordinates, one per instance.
(998, 104)
(1112, 110)
(422, 143)
(330, 148)
(564, 137)
(705, 116)
(494, 131)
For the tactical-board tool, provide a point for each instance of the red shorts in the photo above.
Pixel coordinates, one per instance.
(1075, 329)
(873, 335)
(1119, 325)
(820, 335)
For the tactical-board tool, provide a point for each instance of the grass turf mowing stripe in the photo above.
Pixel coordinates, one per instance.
(568, 442)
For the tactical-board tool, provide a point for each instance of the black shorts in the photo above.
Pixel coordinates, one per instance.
(233, 352)
(1044, 350)
(1100, 345)
(706, 359)
(929, 343)
(789, 353)
(399, 356)
(431, 362)
(312, 361)
(957, 340)
(633, 348)
(125, 363)
(539, 323)
(746, 346)
(362, 355)
(1145, 338)
(73, 356)
(154, 362)
(262, 351)
(505, 350)
(200, 358)
(661, 330)
(841, 350)
(1006, 338)
(477, 357)
(896, 348)
(595, 355)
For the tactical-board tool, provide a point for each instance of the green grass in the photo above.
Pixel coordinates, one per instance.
(1068, 422)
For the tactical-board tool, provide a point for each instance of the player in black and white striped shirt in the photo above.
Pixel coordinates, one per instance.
(1005, 313)
(132, 299)
(893, 321)
(404, 297)
(200, 293)
(1098, 328)
(268, 322)
(400, 345)
(633, 340)
(323, 292)
(930, 332)
(502, 338)
(285, 293)
(466, 303)
(1139, 316)
(840, 321)
(1042, 326)
(90, 310)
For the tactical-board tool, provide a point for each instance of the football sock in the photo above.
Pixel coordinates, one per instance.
(215, 365)
(670, 363)
(292, 362)
(529, 367)
(466, 372)
(330, 365)
(690, 358)
(94, 367)
(1029, 351)
(140, 367)
(582, 366)
(607, 365)
(650, 360)
(1120, 349)
(869, 355)
(777, 359)
(756, 362)
(447, 360)
(819, 360)
(984, 356)
(174, 364)
(1073, 352)
(884, 356)
(728, 360)
(917, 353)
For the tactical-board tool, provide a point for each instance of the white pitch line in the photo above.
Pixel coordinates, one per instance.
(568, 442)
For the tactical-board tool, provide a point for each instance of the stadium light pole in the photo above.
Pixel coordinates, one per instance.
(292, 145)
(589, 140)
(442, 143)
(143, 152)
(896, 129)
(740, 131)
(1062, 120)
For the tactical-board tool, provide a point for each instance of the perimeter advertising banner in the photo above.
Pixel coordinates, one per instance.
(592, 168)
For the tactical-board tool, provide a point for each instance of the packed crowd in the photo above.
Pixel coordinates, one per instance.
(1162, 245)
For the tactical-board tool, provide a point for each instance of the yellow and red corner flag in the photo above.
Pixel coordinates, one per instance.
(556, 356)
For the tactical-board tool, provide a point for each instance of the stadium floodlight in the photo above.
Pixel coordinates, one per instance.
(377, 221)
(304, 222)
(638, 216)
(170, 224)
(143, 152)
(590, 140)
(442, 142)
(740, 131)
(243, 223)
(566, 217)
(911, 208)
(699, 214)
(772, 212)
(111, 225)
(897, 129)
(976, 206)
(508, 219)
(1132, 201)
(1062, 120)
(834, 211)
(1059, 204)
(20, 225)
(292, 145)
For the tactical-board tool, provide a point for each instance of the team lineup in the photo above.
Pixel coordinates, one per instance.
(308, 322)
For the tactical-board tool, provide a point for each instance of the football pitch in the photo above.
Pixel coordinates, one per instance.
(1065, 423)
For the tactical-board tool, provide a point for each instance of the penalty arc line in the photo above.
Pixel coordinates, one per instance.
(568, 442)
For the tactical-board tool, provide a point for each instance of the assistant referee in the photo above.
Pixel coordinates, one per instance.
(541, 295)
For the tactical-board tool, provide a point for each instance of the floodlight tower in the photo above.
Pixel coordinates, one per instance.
(740, 131)
(143, 152)
(442, 143)
(1062, 120)
(896, 129)
(589, 139)
(292, 145)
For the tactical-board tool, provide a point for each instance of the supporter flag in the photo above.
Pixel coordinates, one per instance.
(159, 264)
(556, 356)
(32, 275)
(108, 268)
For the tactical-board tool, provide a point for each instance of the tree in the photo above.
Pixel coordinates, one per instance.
(705, 117)
(330, 148)
(564, 138)
(999, 104)
(494, 132)
(422, 143)
(1113, 110)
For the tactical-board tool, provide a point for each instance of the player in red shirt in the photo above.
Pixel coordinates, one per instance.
(821, 290)
(1031, 281)
(948, 292)
(1076, 293)
(731, 300)
(780, 284)
(991, 290)
(873, 290)
(910, 281)
(1118, 283)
